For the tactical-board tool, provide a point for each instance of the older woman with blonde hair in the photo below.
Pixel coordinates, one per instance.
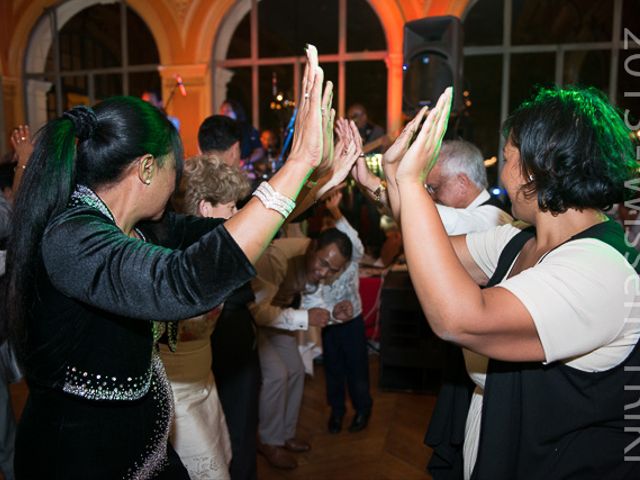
(199, 434)
(213, 187)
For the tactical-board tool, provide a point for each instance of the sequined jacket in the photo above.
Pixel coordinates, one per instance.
(99, 289)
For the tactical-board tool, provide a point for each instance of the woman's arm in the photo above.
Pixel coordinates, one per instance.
(459, 244)
(254, 226)
(138, 279)
(492, 322)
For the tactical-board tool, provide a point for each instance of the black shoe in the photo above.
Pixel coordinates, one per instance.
(359, 422)
(335, 423)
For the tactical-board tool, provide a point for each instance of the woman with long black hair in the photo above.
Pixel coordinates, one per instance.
(87, 279)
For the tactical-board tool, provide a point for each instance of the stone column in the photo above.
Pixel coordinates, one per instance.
(191, 109)
(394, 92)
(36, 92)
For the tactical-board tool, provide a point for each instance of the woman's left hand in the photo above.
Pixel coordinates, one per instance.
(423, 153)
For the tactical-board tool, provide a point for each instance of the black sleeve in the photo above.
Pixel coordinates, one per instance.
(177, 231)
(89, 259)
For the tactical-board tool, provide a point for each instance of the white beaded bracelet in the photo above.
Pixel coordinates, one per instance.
(274, 200)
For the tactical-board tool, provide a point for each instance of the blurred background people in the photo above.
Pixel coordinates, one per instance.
(369, 131)
(221, 135)
(250, 147)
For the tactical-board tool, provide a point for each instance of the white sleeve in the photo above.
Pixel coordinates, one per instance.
(345, 227)
(313, 300)
(576, 297)
(485, 247)
(460, 221)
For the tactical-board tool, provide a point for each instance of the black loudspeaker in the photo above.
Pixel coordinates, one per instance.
(432, 53)
(411, 355)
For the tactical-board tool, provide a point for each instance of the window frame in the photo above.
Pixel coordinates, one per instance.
(255, 62)
(51, 15)
(506, 49)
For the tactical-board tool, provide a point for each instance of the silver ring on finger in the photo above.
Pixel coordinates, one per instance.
(306, 94)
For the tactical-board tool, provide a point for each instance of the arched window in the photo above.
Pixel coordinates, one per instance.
(513, 45)
(81, 54)
(259, 55)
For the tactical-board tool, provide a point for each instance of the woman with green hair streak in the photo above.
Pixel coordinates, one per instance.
(87, 279)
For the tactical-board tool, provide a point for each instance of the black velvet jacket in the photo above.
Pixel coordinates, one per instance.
(99, 403)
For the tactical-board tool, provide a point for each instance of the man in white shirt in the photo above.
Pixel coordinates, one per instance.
(289, 267)
(458, 184)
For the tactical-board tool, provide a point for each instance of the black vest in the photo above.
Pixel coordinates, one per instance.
(553, 421)
(495, 202)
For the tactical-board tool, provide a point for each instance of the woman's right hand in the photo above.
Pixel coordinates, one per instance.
(308, 136)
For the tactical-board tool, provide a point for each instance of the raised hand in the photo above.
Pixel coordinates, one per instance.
(22, 144)
(423, 153)
(307, 145)
(396, 151)
(344, 160)
(343, 130)
(328, 116)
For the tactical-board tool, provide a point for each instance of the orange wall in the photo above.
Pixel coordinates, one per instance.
(185, 32)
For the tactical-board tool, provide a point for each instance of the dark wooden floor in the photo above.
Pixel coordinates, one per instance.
(390, 448)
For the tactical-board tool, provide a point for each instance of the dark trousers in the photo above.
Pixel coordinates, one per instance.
(345, 359)
(237, 370)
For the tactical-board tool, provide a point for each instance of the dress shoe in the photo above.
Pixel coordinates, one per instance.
(277, 456)
(297, 445)
(359, 422)
(335, 423)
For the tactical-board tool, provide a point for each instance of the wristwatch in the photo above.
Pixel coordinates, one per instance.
(377, 193)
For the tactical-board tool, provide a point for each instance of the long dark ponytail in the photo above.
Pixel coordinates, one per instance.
(88, 146)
